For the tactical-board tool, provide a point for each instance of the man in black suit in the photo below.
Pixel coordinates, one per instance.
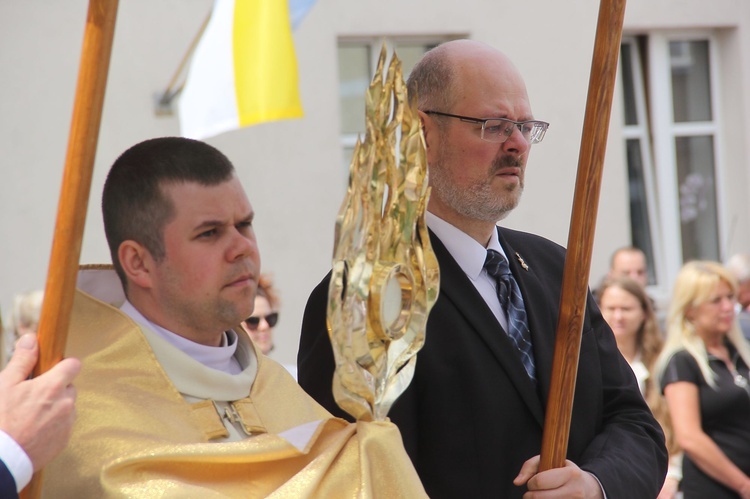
(473, 415)
(36, 415)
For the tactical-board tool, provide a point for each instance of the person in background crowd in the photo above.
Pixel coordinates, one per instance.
(739, 266)
(27, 309)
(629, 262)
(703, 371)
(627, 309)
(260, 325)
(265, 315)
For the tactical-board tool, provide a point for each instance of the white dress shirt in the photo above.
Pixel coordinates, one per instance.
(470, 256)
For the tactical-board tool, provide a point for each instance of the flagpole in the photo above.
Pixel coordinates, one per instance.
(164, 103)
(76, 185)
(581, 234)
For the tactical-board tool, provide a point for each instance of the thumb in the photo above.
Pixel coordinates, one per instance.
(528, 470)
(23, 360)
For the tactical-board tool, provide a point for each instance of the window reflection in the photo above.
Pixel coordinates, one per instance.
(697, 191)
(691, 87)
(354, 78)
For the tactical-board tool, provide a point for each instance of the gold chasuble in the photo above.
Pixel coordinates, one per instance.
(137, 436)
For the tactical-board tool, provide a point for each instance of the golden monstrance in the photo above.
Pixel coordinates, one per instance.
(385, 275)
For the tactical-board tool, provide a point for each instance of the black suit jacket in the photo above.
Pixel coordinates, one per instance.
(7, 483)
(471, 416)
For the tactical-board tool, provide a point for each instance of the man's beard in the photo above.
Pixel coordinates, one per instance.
(478, 201)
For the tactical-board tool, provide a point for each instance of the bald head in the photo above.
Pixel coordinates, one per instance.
(629, 262)
(443, 73)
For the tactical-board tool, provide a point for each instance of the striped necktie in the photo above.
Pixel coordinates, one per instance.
(512, 302)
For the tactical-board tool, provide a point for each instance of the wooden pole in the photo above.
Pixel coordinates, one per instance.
(74, 195)
(581, 234)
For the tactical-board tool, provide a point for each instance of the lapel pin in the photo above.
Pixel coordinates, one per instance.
(522, 262)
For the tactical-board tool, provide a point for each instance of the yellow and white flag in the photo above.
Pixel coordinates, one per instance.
(243, 71)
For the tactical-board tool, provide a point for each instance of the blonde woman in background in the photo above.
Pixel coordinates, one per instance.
(703, 371)
(27, 308)
(627, 309)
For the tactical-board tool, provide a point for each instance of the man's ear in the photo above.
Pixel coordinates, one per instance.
(423, 124)
(431, 135)
(137, 263)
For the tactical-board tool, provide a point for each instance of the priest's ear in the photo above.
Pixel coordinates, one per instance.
(137, 263)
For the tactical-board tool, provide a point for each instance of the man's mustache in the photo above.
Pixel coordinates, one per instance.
(505, 162)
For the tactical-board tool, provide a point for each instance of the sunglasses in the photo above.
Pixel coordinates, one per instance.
(254, 322)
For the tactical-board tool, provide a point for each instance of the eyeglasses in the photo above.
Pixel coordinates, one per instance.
(500, 129)
(254, 322)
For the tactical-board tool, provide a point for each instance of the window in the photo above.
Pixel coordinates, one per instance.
(670, 133)
(357, 58)
(693, 131)
(641, 182)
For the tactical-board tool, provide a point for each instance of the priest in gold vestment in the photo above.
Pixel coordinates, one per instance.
(172, 401)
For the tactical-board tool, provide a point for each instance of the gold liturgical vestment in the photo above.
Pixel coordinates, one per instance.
(136, 435)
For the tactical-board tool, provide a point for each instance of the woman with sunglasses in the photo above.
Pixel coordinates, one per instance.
(265, 315)
(264, 318)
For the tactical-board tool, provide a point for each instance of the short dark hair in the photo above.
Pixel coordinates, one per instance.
(134, 205)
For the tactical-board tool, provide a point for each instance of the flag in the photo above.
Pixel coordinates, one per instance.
(298, 10)
(243, 71)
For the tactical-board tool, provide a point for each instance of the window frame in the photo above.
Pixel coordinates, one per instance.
(642, 132)
(657, 132)
(664, 134)
(375, 44)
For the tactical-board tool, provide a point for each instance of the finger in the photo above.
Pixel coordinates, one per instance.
(23, 360)
(548, 480)
(528, 470)
(568, 478)
(65, 371)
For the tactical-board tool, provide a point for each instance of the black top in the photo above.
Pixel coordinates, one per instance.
(725, 418)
